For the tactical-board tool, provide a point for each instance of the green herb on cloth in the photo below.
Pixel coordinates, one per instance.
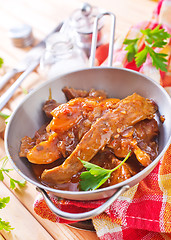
(95, 176)
(132, 48)
(156, 38)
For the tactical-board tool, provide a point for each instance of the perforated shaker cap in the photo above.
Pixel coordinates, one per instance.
(82, 20)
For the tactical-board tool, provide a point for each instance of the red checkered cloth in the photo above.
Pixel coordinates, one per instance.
(162, 16)
(144, 211)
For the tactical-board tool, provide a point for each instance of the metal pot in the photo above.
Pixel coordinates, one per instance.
(119, 83)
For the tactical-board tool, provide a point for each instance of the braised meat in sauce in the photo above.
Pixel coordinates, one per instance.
(94, 128)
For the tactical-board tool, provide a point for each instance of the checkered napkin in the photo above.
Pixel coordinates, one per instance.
(144, 211)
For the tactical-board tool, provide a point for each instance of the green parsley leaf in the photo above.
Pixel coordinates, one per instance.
(159, 44)
(5, 225)
(4, 116)
(158, 59)
(132, 48)
(4, 159)
(155, 34)
(13, 182)
(141, 57)
(1, 176)
(1, 62)
(92, 182)
(155, 38)
(95, 176)
(20, 183)
(4, 201)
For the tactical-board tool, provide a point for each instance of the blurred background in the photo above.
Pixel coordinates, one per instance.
(44, 15)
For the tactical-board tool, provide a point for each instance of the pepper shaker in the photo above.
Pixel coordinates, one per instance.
(81, 23)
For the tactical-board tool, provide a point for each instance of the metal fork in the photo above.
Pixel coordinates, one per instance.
(33, 55)
(21, 67)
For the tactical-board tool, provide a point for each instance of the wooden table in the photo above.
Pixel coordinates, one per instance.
(43, 16)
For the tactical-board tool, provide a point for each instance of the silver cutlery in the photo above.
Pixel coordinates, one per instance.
(30, 62)
(33, 55)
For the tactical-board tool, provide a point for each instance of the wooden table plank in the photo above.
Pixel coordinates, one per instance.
(24, 224)
(1, 237)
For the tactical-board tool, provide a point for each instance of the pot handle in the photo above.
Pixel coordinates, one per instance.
(85, 215)
(94, 39)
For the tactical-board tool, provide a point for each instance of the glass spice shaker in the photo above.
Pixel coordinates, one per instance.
(81, 24)
(61, 56)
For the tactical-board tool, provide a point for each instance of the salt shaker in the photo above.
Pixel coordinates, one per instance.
(81, 24)
(61, 56)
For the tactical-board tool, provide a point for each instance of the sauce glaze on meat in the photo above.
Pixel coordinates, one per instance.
(94, 128)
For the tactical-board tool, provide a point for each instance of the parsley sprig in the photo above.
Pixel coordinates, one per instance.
(155, 38)
(95, 176)
(132, 48)
(4, 225)
(4, 170)
(3, 201)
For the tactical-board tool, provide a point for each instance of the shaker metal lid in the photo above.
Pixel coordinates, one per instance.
(82, 20)
(21, 35)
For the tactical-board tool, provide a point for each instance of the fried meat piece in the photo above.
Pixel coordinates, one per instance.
(50, 105)
(121, 174)
(97, 93)
(68, 114)
(27, 144)
(48, 149)
(127, 113)
(71, 93)
(106, 159)
(142, 134)
(142, 156)
(71, 121)
(41, 134)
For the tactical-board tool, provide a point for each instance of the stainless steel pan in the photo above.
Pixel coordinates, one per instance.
(119, 83)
